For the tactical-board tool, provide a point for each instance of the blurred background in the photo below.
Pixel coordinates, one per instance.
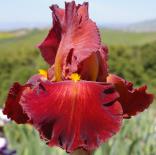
(129, 30)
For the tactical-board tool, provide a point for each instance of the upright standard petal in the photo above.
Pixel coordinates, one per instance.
(50, 45)
(72, 114)
(74, 44)
(79, 39)
(132, 100)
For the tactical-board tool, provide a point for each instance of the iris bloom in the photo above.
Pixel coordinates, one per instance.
(76, 103)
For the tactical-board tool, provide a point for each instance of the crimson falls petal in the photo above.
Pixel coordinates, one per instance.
(73, 114)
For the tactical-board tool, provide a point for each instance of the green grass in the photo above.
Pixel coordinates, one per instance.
(6, 35)
(13, 34)
(28, 40)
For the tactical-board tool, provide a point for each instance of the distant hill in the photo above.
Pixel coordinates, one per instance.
(145, 26)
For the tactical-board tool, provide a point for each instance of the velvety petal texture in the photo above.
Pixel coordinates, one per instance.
(50, 45)
(12, 108)
(133, 100)
(73, 114)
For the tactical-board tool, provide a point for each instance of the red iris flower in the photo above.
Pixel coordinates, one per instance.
(76, 104)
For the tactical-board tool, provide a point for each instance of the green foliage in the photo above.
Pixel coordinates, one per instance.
(132, 56)
(136, 63)
(136, 137)
(26, 141)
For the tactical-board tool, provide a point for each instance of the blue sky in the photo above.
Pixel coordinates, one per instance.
(101, 11)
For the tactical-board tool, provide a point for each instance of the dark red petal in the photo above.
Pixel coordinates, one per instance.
(80, 38)
(103, 66)
(133, 100)
(89, 68)
(12, 108)
(73, 114)
(50, 45)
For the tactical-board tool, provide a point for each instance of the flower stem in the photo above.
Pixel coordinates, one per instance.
(82, 152)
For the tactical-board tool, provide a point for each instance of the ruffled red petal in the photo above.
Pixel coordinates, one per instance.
(132, 100)
(73, 114)
(12, 108)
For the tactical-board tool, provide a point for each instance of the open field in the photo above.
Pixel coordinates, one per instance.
(112, 37)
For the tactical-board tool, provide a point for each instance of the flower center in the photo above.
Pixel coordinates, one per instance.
(75, 77)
